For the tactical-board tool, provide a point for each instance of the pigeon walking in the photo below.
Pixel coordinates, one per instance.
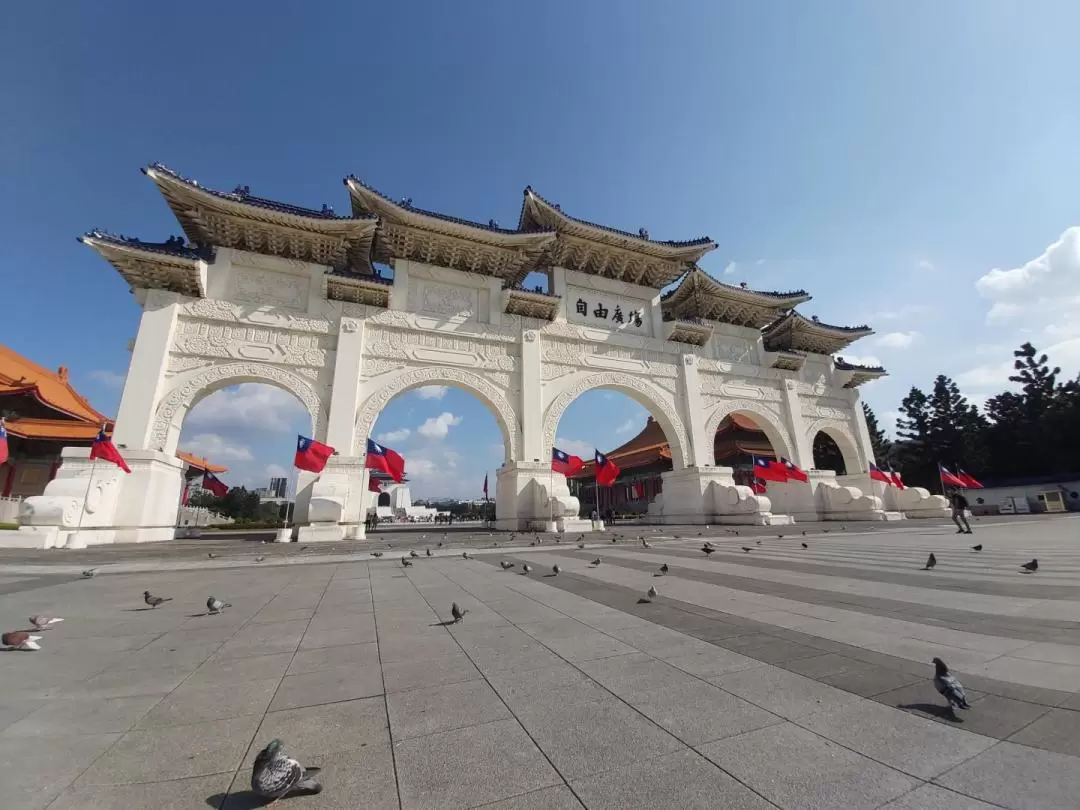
(413, 553)
(211, 555)
(745, 548)
(215, 605)
(556, 570)
(645, 543)
(154, 601)
(1031, 567)
(506, 565)
(20, 640)
(376, 554)
(977, 547)
(581, 545)
(931, 561)
(260, 558)
(525, 569)
(276, 775)
(596, 562)
(457, 612)
(652, 593)
(89, 573)
(466, 555)
(406, 562)
(805, 546)
(43, 622)
(664, 568)
(427, 551)
(948, 686)
(708, 550)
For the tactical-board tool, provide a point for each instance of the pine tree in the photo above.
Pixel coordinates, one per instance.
(912, 450)
(880, 444)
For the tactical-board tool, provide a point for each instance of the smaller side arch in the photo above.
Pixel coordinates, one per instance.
(648, 396)
(769, 423)
(482, 389)
(195, 386)
(840, 432)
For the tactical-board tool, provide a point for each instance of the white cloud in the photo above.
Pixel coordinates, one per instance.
(277, 471)
(110, 379)
(896, 340)
(575, 448)
(626, 426)
(903, 312)
(216, 448)
(431, 392)
(249, 406)
(994, 377)
(888, 421)
(730, 269)
(925, 264)
(394, 436)
(437, 427)
(1048, 281)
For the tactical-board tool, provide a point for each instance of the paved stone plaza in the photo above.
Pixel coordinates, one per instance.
(779, 677)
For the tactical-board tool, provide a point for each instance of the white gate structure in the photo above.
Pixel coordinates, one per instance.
(261, 291)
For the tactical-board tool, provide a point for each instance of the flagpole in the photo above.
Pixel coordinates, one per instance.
(86, 495)
(941, 478)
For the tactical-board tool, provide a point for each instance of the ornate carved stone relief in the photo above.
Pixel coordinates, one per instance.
(373, 366)
(184, 393)
(734, 350)
(445, 300)
(214, 310)
(725, 386)
(178, 363)
(481, 386)
(656, 401)
(425, 323)
(268, 287)
(453, 348)
(590, 354)
(242, 342)
(552, 371)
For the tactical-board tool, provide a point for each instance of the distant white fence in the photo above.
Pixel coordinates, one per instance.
(9, 510)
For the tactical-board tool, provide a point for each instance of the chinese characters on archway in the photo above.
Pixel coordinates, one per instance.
(613, 314)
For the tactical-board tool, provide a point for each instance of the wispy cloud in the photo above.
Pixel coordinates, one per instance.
(896, 340)
(216, 448)
(575, 447)
(248, 407)
(431, 392)
(731, 268)
(925, 264)
(394, 436)
(438, 426)
(110, 379)
(626, 426)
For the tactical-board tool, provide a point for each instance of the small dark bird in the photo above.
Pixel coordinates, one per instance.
(506, 565)
(89, 573)
(406, 562)
(154, 601)
(260, 558)
(651, 594)
(645, 543)
(664, 568)
(555, 570)
(525, 569)
(413, 554)
(1031, 567)
(826, 531)
(805, 546)
(948, 686)
(931, 561)
(211, 555)
(466, 555)
(276, 775)
(759, 542)
(977, 548)
(376, 554)
(597, 561)
(804, 533)
(428, 552)
(708, 550)
(746, 548)
(214, 605)
(779, 537)
(457, 612)
(581, 545)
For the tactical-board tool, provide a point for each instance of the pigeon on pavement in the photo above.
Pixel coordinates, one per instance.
(931, 561)
(20, 640)
(466, 555)
(413, 553)
(428, 552)
(89, 573)
(457, 612)
(663, 568)
(276, 775)
(260, 558)
(211, 555)
(581, 545)
(506, 565)
(977, 547)
(708, 550)
(805, 546)
(556, 570)
(376, 554)
(405, 561)
(597, 561)
(948, 686)
(526, 568)
(154, 601)
(215, 605)
(43, 622)
(652, 593)
(745, 548)
(645, 543)
(1031, 567)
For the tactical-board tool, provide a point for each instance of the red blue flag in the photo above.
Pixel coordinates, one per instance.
(896, 480)
(606, 470)
(104, 449)
(950, 479)
(969, 480)
(878, 474)
(311, 455)
(793, 472)
(386, 460)
(768, 470)
(564, 463)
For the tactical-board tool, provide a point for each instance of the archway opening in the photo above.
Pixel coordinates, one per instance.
(451, 442)
(237, 444)
(741, 437)
(827, 454)
(631, 436)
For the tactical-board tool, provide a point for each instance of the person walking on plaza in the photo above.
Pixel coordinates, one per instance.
(959, 512)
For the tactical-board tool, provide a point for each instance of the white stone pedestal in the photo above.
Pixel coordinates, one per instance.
(576, 525)
(705, 495)
(336, 498)
(283, 536)
(521, 492)
(320, 533)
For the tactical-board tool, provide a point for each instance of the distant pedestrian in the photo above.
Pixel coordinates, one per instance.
(959, 512)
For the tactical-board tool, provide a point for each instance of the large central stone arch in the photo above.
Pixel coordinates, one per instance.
(475, 384)
(764, 417)
(649, 396)
(192, 387)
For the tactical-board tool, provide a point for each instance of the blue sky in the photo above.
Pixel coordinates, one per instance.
(911, 165)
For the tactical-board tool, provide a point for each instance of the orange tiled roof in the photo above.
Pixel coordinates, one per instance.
(199, 463)
(52, 429)
(19, 374)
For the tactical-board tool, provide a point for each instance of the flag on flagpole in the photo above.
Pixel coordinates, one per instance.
(186, 495)
(386, 460)
(969, 481)
(606, 470)
(373, 484)
(214, 485)
(948, 478)
(485, 487)
(3, 443)
(311, 455)
(564, 463)
(768, 470)
(758, 486)
(793, 472)
(878, 474)
(897, 481)
(104, 449)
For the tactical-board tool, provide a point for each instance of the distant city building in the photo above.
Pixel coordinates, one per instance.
(279, 486)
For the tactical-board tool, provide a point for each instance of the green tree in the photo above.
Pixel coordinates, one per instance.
(912, 451)
(880, 444)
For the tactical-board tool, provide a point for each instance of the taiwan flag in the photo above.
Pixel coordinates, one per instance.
(311, 455)
(606, 470)
(878, 474)
(104, 449)
(565, 464)
(385, 460)
(3, 443)
(637, 491)
(948, 478)
(768, 470)
(969, 481)
(794, 473)
(758, 487)
(373, 484)
(896, 480)
(215, 485)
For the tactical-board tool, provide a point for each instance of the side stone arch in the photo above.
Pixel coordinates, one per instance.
(649, 396)
(764, 417)
(189, 389)
(841, 433)
(478, 386)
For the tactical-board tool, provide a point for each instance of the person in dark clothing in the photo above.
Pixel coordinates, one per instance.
(959, 512)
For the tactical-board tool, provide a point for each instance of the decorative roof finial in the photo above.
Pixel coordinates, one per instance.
(328, 209)
(406, 202)
(644, 234)
(493, 223)
(814, 318)
(743, 284)
(242, 191)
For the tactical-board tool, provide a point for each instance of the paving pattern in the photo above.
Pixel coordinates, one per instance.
(781, 676)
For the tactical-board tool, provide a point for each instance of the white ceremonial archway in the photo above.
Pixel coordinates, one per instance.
(261, 291)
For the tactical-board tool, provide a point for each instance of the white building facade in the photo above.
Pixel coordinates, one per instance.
(271, 293)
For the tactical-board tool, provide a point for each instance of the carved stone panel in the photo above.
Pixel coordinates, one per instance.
(268, 287)
(425, 347)
(242, 342)
(214, 310)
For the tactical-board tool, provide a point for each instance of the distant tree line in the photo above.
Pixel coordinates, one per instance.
(240, 505)
(1031, 432)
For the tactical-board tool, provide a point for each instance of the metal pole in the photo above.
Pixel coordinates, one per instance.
(86, 495)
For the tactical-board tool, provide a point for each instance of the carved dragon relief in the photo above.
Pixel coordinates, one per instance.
(654, 400)
(182, 395)
(504, 412)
